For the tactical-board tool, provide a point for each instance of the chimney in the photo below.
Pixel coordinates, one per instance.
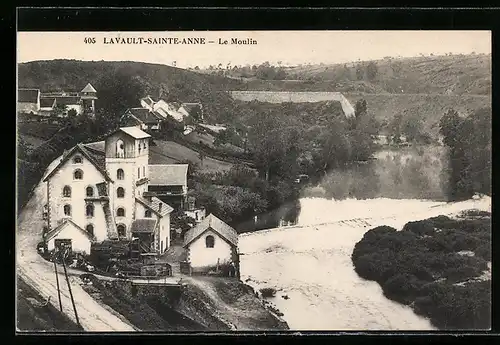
(159, 207)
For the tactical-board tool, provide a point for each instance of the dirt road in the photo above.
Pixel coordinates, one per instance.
(39, 274)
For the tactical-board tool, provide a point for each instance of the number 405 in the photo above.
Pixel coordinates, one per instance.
(89, 40)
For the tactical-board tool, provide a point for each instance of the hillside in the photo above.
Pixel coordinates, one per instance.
(452, 74)
(174, 84)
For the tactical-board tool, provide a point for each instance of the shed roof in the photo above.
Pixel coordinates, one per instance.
(47, 102)
(215, 224)
(168, 174)
(28, 95)
(67, 222)
(67, 100)
(144, 225)
(156, 205)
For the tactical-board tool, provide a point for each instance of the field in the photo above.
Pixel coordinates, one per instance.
(169, 152)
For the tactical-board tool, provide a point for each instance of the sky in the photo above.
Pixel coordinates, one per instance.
(288, 47)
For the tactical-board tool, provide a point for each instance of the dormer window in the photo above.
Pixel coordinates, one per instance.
(77, 160)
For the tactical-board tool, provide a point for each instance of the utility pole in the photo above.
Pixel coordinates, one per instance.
(69, 286)
(57, 281)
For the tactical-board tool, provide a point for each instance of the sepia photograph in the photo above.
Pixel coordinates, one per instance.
(229, 181)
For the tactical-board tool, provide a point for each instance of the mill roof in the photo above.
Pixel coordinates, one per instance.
(95, 157)
(144, 225)
(168, 174)
(215, 224)
(28, 95)
(89, 88)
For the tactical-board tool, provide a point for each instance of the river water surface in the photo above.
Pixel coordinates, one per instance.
(310, 263)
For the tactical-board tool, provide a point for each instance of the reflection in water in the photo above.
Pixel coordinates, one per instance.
(403, 173)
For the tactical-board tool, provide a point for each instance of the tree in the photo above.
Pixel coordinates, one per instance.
(371, 71)
(60, 110)
(360, 73)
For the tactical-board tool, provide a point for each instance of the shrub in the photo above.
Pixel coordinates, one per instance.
(268, 292)
(420, 228)
(402, 287)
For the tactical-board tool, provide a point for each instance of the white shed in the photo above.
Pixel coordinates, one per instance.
(69, 232)
(210, 245)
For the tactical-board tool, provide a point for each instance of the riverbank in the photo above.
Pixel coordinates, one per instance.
(440, 267)
(199, 304)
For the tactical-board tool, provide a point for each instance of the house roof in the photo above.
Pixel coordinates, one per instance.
(51, 234)
(154, 205)
(28, 95)
(67, 100)
(190, 106)
(89, 88)
(95, 157)
(148, 100)
(168, 174)
(47, 102)
(215, 224)
(143, 115)
(134, 132)
(96, 146)
(144, 225)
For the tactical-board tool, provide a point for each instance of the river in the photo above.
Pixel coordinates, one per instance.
(310, 262)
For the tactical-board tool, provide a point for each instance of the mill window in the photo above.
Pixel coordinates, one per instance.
(120, 175)
(90, 229)
(120, 192)
(67, 192)
(89, 210)
(121, 230)
(67, 210)
(78, 174)
(89, 191)
(120, 212)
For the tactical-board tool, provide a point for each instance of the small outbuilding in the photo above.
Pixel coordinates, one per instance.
(68, 233)
(212, 246)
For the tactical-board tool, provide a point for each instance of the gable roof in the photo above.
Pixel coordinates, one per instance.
(89, 88)
(96, 146)
(134, 132)
(28, 95)
(47, 102)
(95, 157)
(154, 205)
(217, 225)
(143, 115)
(143, 225)
(168, 174)
(51, 234)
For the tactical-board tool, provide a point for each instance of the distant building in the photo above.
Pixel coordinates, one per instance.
(210, 245)
(194, 110)
(142, 117)
(162, 108)
(197, 213)
(28, 101)
(32, 101)
(102, 189)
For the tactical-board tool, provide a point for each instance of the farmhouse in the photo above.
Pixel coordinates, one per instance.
(32, 101)
(194, 110)
(211, 245)
(103, 190)
(142, 117)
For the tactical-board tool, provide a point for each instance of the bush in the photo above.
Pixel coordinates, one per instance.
(268, 292)
(421, 228)
(402, 287)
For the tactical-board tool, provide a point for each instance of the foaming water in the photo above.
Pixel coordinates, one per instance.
(311, 263)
